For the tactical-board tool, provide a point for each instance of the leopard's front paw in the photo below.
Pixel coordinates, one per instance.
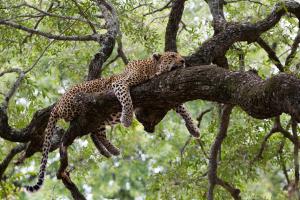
(126, 120)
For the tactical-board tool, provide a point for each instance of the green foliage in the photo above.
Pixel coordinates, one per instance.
(150, 166)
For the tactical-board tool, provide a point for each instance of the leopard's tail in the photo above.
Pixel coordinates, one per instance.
(46, 148)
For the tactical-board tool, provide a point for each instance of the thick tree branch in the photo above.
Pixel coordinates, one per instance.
(173, 25)
(259, 98)
(216, 9)
(109, 39)
(218, 45)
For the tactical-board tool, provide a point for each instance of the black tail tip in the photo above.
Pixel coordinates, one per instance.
(32, 188)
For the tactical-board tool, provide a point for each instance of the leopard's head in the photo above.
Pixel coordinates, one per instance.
(169, 60)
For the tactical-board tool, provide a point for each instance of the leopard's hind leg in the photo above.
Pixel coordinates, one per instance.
(105, 147)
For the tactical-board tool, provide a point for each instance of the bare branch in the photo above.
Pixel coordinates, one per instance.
(277, 128)
(281, 160)
(64, 175)
(12, 90)
(84, 16)
(201, 115)
(271, 53)
(12, 70)
(159, 9)
(235, 193)
(296, 152)
(4, 164)
(215, 148)
(294, 48)
(216, 9)
(121, 51)
(47, 13)
(173, 25)
(251, 1)
(37, 23)
(94, 37)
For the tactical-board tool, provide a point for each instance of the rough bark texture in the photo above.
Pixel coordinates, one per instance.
(259, 98)
(173, 25)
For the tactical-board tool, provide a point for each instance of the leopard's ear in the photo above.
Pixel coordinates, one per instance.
(156, 56)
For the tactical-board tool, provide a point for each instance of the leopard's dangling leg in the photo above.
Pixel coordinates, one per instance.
(122, 92)
(101, 135)
(189, 122)
(99, 145)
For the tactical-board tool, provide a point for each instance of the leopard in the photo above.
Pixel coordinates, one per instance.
(136, 72)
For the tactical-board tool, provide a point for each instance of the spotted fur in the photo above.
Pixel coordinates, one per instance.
(69, 107)
(189, 123)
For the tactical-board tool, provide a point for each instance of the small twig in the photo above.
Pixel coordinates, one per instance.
(200, 143)
(60, 16)
(200, 116)
(182, 149)
(138, 6)
(159, 9)
(50, 35)
(277, 128)
(84, 16)
(251, 1)
(37, 23)
(281, 160)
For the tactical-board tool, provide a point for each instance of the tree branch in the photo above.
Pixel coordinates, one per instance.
(271, 53)
(215, 148)
(159, 9)
(276, 128)
(235, 193)
(296, 153)
(294, 48)
(218, 45)
(108, 42)
(94, 37)
(84, 16)
(173, 25)
(4, 164)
